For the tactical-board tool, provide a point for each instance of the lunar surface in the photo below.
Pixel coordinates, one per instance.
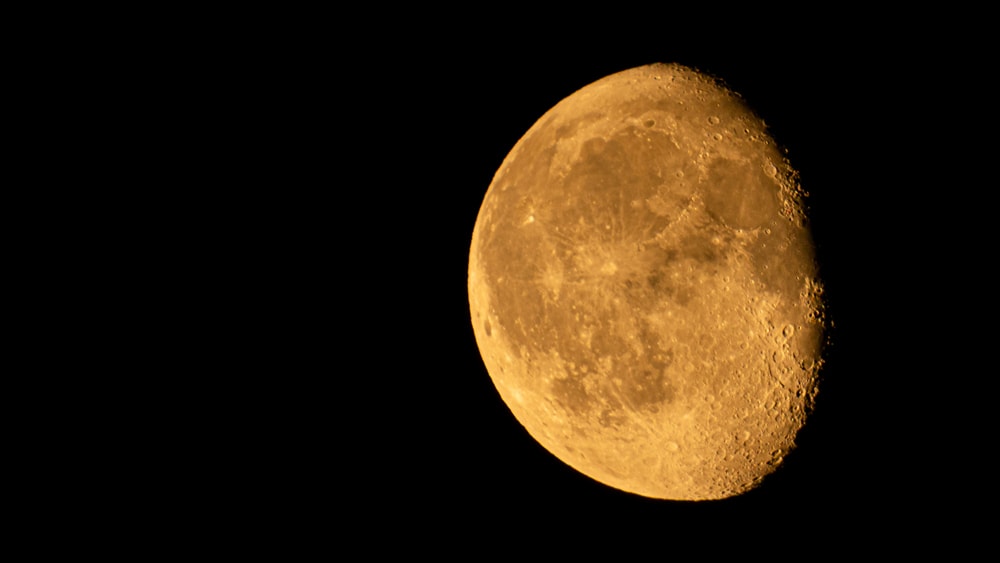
(643, 287)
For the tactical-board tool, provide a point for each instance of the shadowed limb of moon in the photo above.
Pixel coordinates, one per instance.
(643, 288)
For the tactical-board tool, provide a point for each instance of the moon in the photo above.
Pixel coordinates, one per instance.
(643, 287)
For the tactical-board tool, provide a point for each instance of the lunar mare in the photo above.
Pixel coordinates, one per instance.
(643, 287)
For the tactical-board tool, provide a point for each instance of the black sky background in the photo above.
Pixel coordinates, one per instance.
(256, 225)
(378, 409)
(446, 448)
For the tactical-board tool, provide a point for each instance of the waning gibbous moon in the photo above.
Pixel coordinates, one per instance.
(643, 287)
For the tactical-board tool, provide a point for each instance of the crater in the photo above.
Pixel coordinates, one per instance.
(650, 388)
(701, 248)
(610, 418)
(570, 393)
(740, 194)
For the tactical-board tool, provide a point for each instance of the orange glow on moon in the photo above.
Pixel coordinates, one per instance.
(643, 287)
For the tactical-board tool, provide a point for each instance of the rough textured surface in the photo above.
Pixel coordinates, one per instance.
(642, 287)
